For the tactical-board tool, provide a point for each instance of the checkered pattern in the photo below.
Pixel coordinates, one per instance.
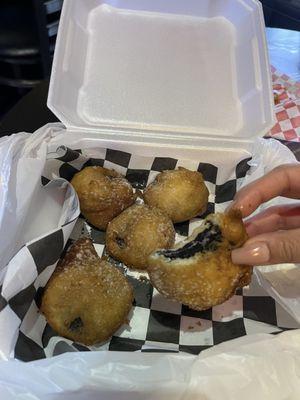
(287, 99)
(284, 81)
(20, 293)
(155, 323)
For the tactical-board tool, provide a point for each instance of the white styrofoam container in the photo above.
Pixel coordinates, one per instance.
(177, 76)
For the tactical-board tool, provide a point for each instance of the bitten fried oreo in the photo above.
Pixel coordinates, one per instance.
(181, 194)
(199, 272)
(103, 194)
(86, 299)
(136, 233)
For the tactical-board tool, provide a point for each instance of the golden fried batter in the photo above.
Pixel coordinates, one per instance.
(199, 272)
(86, 299)
(103, 194)
(181, 194)
(136, 233)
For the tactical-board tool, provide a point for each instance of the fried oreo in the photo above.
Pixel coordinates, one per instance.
(86, 299)
(199, 272)
(103, 194)
(136, 233)
(181, 194)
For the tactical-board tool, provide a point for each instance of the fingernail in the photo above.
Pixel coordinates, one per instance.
(254, 254)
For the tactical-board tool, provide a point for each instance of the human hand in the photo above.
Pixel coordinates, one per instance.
(274, 234)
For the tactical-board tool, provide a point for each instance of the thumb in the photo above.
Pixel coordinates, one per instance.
(272, 248)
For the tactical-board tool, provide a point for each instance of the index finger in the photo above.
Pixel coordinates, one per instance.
(281, 181)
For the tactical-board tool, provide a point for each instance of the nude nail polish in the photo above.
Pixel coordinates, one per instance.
(254, 254)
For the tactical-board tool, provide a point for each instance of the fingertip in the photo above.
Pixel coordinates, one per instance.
(232, 206)
(235, 206)
(251, 254)
(237, 257)
(251, 229)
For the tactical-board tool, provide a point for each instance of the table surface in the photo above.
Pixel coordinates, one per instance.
(31, 112)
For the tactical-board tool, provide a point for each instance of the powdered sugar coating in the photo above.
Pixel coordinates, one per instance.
(103, 194)
(205, 279)
(181, 194)
(136, 233)
(87, 289)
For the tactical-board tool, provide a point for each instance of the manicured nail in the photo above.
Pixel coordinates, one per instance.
(254, 254)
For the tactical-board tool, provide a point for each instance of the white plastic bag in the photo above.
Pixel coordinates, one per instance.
(263, 367)
(22, 160)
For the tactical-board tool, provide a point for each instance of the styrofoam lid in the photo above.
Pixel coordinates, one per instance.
(172, 67)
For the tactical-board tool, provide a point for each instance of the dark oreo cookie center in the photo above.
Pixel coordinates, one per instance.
(207, 240)
(76, 324)
(120, 242)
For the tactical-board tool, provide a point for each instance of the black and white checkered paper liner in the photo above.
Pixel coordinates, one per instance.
(155, 324)
(22, 280)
